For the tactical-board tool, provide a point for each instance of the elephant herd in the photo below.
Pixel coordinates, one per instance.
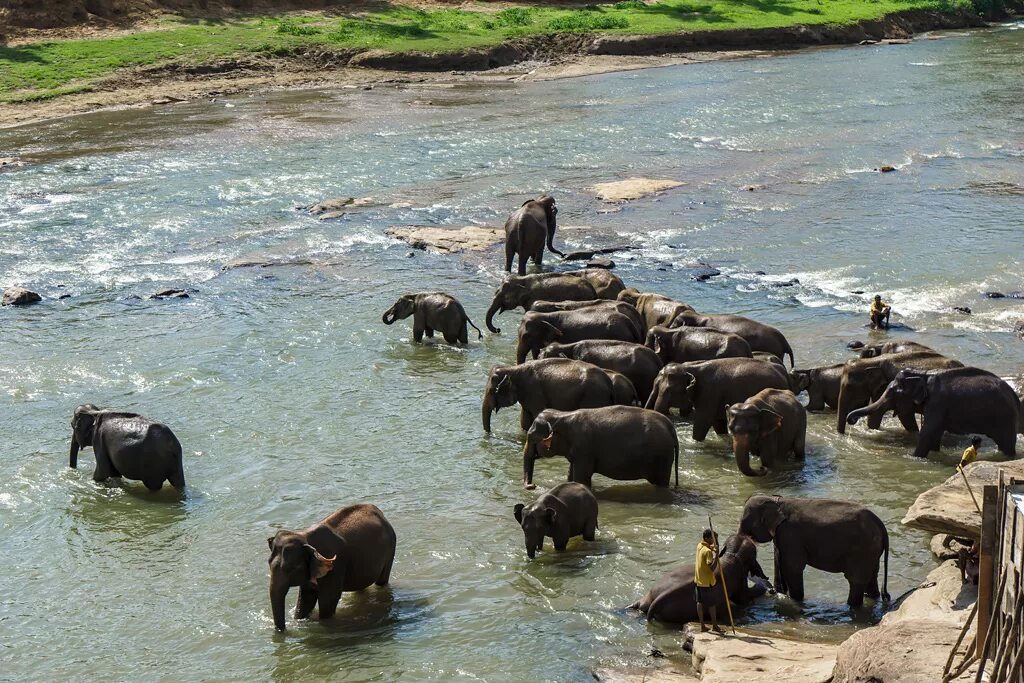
(607, 365)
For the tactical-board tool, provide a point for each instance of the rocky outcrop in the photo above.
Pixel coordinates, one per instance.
(948, 507)
(910, 645)
(19, 296)
(632, 188)
(447, 240)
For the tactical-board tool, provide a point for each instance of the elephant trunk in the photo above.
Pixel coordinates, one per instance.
(495, 308)
(842, 410)
(522, 348)
(877, 408)
(487, 408)
(551, 240)
(73, 457)
(389, 316)
(529, 458)
(741, 449)
(278, 591)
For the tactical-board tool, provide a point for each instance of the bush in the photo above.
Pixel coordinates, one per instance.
(582, 20)
(515, 16)
(630, 4)
(294, 28)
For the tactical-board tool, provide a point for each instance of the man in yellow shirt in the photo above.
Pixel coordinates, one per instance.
(970, 453)
(704, 579)
(879, 313)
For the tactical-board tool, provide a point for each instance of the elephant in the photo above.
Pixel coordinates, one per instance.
(638, 363)
(528, 229)
(767, 357)
(620, 442)
(654, 308)
(537, 330)
(672, 599)
(598, 304)
(567, 510)
(820, 383)
(960, 400)
(875, 350)
(761, 337)
(521, 291)
(608, 285)
(683, 344)
(127, 445)
(831, 535)
(625, 392)
(706, 387)
(347, 551)
(433, 311)
(769, 424)
(550, 383)
(864, 379)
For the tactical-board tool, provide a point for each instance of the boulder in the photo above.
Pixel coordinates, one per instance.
(948, 507)
(604, 263)
(966, 310)
(886, 169)
(994, 295)
(170, 294)
(632, 188)
(855, 344)
(750, 657)
(447, 240)
(19, 296)
(333, 208)
(910, 645)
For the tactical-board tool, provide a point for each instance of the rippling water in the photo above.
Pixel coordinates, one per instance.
(291, 398)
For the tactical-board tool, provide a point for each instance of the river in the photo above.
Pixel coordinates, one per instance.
(292, 399)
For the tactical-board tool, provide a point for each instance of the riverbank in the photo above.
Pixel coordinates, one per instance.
(48, 75)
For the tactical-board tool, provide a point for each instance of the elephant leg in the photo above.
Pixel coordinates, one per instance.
(875, 419)
(1006, 443)
(417, 332)
(780, 580)
(385, 574)
(872, 590)
(523, 257)
(590, 529)
(177, 477)
(794, 579)
(538, 256)
(800, 445)
(908, 419)
(930, 439)
(452, 337)
(104, 468)
(582, 474)
(329, 602)
(561, 542)
(701, 426)
(721, 426)
(306, 602)
(463, 333)
(153, 485)
(856, 596)
(525, 419)
(510, 255)
(430, 332)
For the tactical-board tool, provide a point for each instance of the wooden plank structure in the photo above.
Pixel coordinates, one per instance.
(998, 646)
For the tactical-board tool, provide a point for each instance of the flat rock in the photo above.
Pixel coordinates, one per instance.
(19, 296)
(948, 508)
(758, 658)
(333, 208)
(911, 644)
(170, 294)
(448, 240)
(632, 188)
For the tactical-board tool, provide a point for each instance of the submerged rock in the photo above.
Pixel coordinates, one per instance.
(632, 188)
(19, 296)
(886, 169)
(994, 295)
(170, 294)
(333, 208)
(587, 255)
(604, 263)
(966, 310)
(855, 345)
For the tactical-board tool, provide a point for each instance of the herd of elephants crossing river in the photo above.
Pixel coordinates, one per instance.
(609, 364)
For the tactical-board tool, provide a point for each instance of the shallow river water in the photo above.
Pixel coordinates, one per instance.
(291, 398)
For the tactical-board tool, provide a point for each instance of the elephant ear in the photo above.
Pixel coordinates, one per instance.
(554, 330)
(770, 421)
(916, 387)
(518, 512)
(549, 515)
(319, 566)
(691, 384)
(270, 542)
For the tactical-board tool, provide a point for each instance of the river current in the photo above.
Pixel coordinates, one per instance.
(291, 398)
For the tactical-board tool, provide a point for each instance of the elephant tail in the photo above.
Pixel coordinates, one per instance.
(885, 567)
(677, 462)
(788, 351)
(479, 334)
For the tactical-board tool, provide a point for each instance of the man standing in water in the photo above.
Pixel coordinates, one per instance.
(879, 314)
(704, 579)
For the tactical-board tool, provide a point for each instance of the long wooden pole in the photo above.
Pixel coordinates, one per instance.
(969, 489)
(721, 575)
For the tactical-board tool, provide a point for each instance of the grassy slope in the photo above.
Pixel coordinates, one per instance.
(48, 69)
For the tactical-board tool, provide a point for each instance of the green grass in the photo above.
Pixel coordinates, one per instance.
(50, 69)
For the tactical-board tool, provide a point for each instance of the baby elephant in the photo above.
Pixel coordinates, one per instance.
(769, 424)
(567, 510)
(347, 551)
(433, 311)
(127, 445)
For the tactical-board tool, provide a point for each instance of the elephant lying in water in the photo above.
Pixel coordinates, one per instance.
(672, 599)
(959, 400)
(707, 387)
(761, 337)
(537, 330)
(550, 383)
(347, 551)
(831, 535)
(638, 363)
(433, 311)
(864, 380)
(527, 230)
(127, 445)
(567, 510)
(875, 350)
(619, 442)
(769, 424)
(522, 291)
(684, 344)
